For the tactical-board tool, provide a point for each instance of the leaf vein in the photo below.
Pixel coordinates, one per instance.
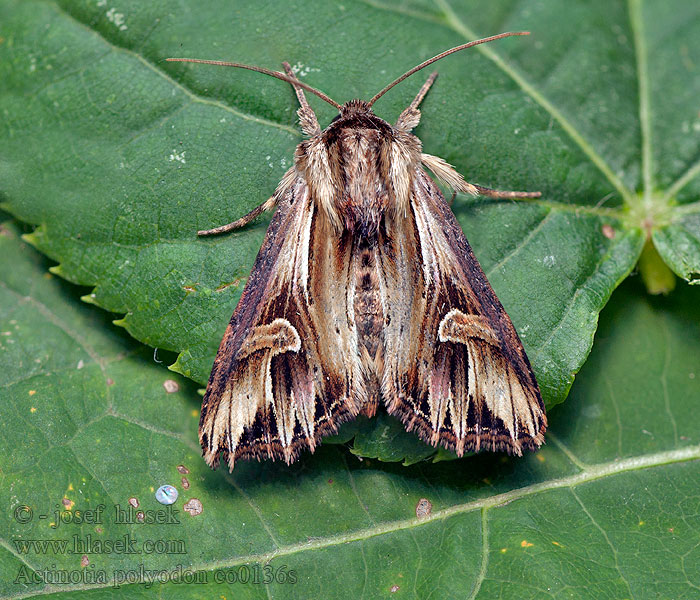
(593, 473)
(484, 553)
(606, 538)
(524, 242)
(173, 82)
(637, 27)
(454, 23)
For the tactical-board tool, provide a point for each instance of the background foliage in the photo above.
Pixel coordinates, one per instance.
(119, 158)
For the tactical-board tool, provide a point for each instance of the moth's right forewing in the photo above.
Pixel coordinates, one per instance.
(455, 369)
(281, 379)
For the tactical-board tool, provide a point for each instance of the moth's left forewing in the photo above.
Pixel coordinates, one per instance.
(455, 369)
(282, 379)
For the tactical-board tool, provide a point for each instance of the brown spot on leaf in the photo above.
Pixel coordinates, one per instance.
(171, 386)
(526, 544)
(223, 286)
(67, 503)
(185, 483)
(182, 469)
(134, 502)
(84, 560)
(193, 506)
(140, 516)
(608, 231)
(189, 288)
(423, 508)
(110, 381)
(394, 589)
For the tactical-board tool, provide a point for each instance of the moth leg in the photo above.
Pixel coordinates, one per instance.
(423, 91)
(450, 177)
(410, 117)
(447, 174)
(282, 188)
(243, 221)
(307, 117)
(484, 191)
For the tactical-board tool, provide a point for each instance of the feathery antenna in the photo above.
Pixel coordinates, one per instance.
(263, 70)
(443, 55)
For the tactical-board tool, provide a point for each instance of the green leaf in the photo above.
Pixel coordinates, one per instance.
(120, 157)
(385, 438)
(679, 245)
(608, 508)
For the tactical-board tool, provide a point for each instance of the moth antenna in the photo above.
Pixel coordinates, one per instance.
(263, 70)
(443, 55)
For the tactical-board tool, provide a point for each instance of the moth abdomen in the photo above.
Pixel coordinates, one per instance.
(368, 312)
(367, 305)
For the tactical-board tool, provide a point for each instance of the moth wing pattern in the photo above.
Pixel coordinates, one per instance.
(281, 380)
(455, 370)
(365, 288)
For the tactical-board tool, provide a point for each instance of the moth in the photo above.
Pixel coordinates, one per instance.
(365, 290)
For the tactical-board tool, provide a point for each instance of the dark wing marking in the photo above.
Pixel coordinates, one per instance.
(282, 379)
(455, 369)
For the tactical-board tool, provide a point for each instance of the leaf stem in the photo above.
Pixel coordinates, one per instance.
(657, 277)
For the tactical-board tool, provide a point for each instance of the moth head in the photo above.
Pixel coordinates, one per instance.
(354, 107)
(351, 110)
(357, 113)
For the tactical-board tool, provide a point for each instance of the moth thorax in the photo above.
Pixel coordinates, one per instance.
(359, 168)
(361, 155)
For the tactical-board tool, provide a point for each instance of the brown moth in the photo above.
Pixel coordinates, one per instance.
(366, 290)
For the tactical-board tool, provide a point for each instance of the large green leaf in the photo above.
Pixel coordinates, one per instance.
(607, 509)
(120, 157)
